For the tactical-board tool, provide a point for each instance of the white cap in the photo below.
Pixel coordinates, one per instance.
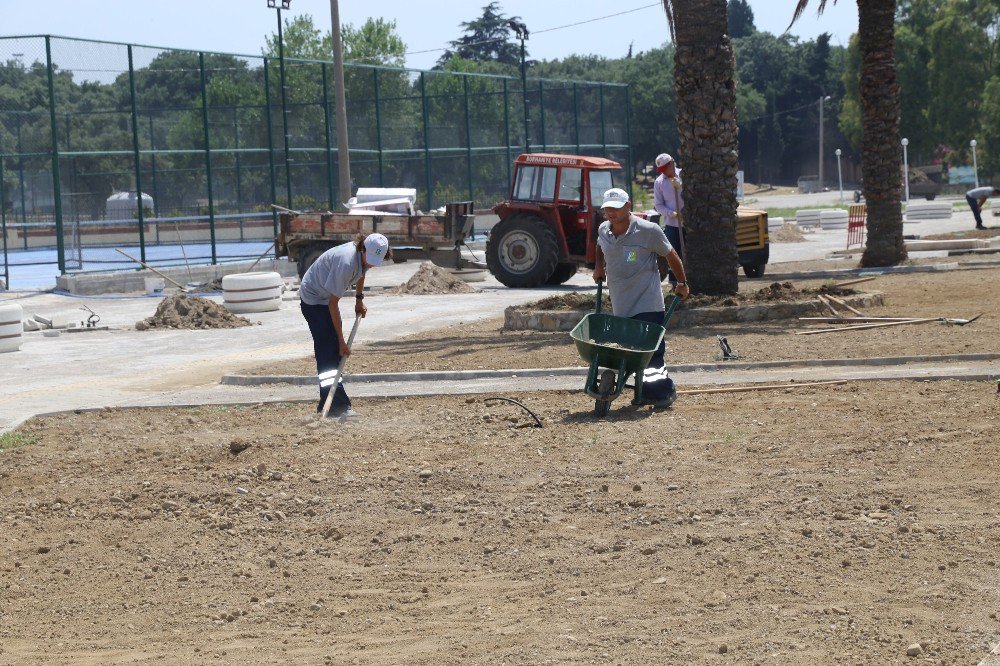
(376, 246)
(615, 198)
(663, 159)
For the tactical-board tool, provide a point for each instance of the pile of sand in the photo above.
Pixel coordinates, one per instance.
(786, 233)
(431, 279)
(191, 312)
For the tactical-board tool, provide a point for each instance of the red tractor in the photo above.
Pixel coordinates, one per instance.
(548, 224)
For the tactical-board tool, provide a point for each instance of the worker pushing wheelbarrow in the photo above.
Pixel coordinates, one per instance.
(629, 341)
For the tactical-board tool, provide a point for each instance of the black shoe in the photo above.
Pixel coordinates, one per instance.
(979, 226)
(344, 413)
(661, 403)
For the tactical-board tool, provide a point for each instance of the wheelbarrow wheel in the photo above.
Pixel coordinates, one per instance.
(605, 387)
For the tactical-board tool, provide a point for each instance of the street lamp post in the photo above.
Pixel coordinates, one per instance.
(975, 165)
(279, 5)
(906, 172)
(820, 174)
(521, 30)
(840, 177)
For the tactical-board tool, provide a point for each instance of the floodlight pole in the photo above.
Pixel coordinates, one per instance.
(906, 172)
(522, 34)
(840, 177)
(975, 164)
(820, 170)
(279, 5)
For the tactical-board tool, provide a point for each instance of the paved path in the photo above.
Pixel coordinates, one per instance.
(512, 384)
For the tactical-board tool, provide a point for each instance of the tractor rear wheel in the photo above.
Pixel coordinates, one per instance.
(562, 273)
(522, 251)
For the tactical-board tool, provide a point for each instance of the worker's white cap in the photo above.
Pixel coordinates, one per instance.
(376, 247)
(663, 159)
(615, 198)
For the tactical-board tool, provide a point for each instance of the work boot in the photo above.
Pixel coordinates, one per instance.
(344, 413)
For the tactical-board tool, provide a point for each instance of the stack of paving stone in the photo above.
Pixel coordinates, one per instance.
(928, 210)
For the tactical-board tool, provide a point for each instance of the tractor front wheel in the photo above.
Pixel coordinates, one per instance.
(522, 251)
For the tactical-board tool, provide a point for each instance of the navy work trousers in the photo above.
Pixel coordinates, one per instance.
(326, 345)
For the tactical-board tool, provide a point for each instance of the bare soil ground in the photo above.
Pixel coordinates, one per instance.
(484, 345)
(727, 529)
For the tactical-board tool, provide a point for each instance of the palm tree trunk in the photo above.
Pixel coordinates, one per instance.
(706, 123)
(881, 163)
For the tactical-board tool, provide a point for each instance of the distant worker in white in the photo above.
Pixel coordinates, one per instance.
(668, 200)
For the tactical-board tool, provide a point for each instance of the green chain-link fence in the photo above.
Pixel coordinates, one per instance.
(86, 125)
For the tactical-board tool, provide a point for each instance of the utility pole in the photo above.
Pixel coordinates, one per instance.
(340, 100)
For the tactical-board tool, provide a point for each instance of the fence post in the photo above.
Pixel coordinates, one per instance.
(56, 184)
(20, 176)
(3, 225)
(239, 167)
(136, 158)
(628, 140)
(604, 136)
(152, 167)
(208, 154)
(329, 148)
(468, 133)
(541, 113)
(427, 140)
(378, 129)
(506, 129)
(284, 112)
(270, 147)
(576, 119)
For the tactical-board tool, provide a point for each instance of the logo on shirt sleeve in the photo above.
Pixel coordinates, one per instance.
(631, 257)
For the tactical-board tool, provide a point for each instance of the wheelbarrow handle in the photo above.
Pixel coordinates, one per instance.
(597, 303)
(670, 310)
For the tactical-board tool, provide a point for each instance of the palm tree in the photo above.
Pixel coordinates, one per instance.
(706, 123)
(880, 110)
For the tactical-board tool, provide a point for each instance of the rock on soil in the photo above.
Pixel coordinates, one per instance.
(431, 279)
(191, 312)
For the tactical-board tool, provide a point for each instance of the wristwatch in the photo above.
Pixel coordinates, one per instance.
(360, 297)
(682, 284)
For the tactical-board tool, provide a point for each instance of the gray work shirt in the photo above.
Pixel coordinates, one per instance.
(331, 275)
(984, 191)
(630, 260)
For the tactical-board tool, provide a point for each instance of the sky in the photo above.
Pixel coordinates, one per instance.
(240, 26)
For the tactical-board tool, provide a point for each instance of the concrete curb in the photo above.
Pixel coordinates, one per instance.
(848, 273)
(520, 319)
(464, 375)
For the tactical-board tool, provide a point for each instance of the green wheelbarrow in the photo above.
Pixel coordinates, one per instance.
(621, 346)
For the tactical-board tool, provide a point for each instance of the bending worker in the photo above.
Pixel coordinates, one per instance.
(627, 248)
(327, 280)
(976, 198)
(669, 202)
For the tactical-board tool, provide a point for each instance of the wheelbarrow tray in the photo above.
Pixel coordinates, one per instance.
(595, 331)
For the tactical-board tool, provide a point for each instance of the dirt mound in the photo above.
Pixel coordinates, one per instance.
(191, 312)
(787, 233)
(431, 279)
(777, 292)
